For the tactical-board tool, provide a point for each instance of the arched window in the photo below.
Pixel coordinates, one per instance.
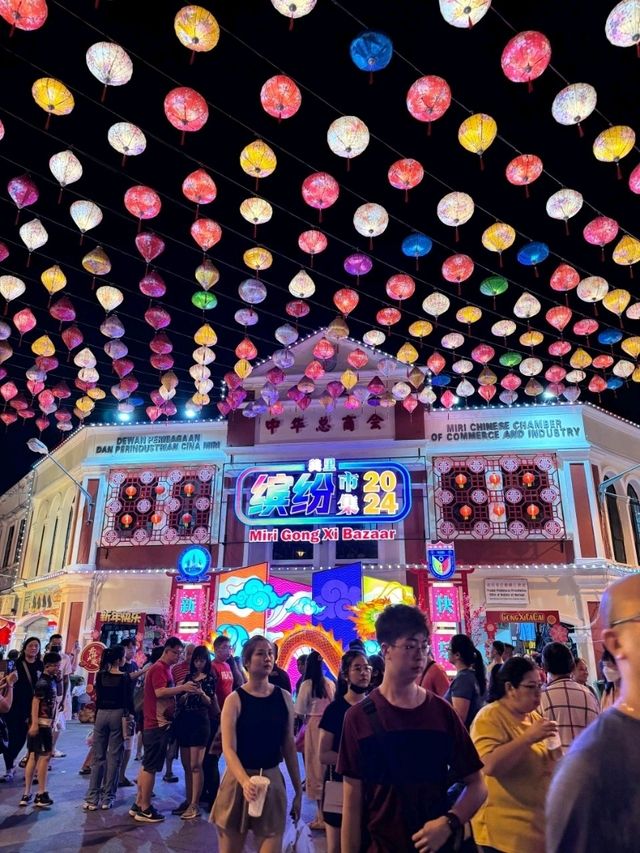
(615, 526)
(634, 516)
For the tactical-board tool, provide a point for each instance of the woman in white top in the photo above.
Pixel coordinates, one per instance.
(316, 692)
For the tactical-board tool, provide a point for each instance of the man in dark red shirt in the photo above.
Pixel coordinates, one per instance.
(221, 668)
(158, 711)
(398, 751)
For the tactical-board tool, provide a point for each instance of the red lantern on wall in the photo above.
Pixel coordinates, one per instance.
(466, 512)
(156, 518)
(533, 511)
(528, 479)
(131, 492)
(494, 479)
(126, 520)
(461, 481)
(186, 519)
(189, 489)
(159, 489)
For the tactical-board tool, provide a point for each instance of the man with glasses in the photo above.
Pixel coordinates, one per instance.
(399, 747)
(594, 801)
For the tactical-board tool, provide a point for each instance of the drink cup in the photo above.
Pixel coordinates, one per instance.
(256, 806)
(553, 742)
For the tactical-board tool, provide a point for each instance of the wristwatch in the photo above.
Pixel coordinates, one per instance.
(455, 824)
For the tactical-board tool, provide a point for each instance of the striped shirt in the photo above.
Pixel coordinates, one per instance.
(571, 705)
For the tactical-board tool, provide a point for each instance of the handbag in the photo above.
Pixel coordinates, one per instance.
(332, 795)
(300, 738)
(128, 727)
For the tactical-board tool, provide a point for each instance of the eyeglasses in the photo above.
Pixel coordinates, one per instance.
(623, 621)
(412, 647)
(531, 686)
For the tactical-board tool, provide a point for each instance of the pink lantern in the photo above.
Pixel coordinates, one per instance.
(123, 367)
(149, 245)
(511, 382)
(524, 170)
(559, 348)
(72, 337)
(186, 110)
(428, 99)
(161, 344)
(525, 57)
(157, 317)
(600, 231)
(280, 97)
(483, 353)
(47, 363)
(346, 300)
(4, 252)
(152, 285)
(24, 321)
(8, 391)
(320, 190)
(388, 316)
(400, 287)
(436, 363)
(199, 187)
(312, 242)
(23, 192)
(586, 327)
(487, 392)
(559, 317)
(161, 362)
(603, 362)
(63, 310)
(457, 268)
(206, 233)
(564, 279)
(555, 373)
(142, 202)
(405, 175)
(634, 180)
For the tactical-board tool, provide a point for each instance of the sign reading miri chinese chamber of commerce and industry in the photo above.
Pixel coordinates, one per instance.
(332, 494)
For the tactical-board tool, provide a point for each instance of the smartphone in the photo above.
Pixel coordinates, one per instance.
(7, 666)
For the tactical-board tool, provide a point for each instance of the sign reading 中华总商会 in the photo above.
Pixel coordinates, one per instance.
(507, 591)
(441, 560)
(323, 491)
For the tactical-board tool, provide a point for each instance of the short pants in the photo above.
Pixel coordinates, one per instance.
(42, 743)
(155, 743)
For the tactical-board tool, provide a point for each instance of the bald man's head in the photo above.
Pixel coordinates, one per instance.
(620, 612)
(621, 600)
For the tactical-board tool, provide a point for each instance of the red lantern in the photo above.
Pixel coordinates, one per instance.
(156, 518)
(157, 317)
(400, 287)
(206, 233)
(320, 190)
(159, 489)
(126, 520)
(600, 231)
(131, 492)
(280, 97)
(405, 175)
(528, 479)
(324, 349)
(186, 110)
(559, 317)
(498, 510)
(246, 349)
(461, 481)
(346, 300)
(186, 519)
(23, 15)
(466, 512)
(149, 245)
(436, 363)
(312, 242)
(457, 268)
(142, 202)
(429, 98)
(494, 479)
(526, 57)
(524, 170)
(388, 316)
(357, 359)
(189, 489)
(199, 187)
(24, 321)
(533, 511)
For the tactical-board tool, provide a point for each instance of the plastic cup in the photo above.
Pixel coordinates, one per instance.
(256, 806)
(553, 742)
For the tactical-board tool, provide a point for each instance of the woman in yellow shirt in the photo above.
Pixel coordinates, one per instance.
(509, 735)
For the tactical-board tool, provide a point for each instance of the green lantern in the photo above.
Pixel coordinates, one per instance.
(204, 300)
(510, 359)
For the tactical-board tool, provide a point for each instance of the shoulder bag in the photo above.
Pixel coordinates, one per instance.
(332, 795)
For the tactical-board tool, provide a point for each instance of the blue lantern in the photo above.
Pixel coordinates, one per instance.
(609, 336)
(371, 51)
(416, 246)
(440, 380)
(533, 254)
(614, 383)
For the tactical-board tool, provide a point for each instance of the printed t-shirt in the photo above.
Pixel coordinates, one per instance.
(512, 816)
(180, 671)
(46, 694)
(224, 683)
(158, 712)
(406, 772)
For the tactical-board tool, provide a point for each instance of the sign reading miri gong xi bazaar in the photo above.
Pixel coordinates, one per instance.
(333, 494)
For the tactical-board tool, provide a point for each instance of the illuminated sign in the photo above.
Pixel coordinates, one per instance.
(444, 603)
(441, 560)
(189, 611)
(119, 617)
(320, 534)
(194, 563)
(323, 491)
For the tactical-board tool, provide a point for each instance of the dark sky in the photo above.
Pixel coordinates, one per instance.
(256, 43)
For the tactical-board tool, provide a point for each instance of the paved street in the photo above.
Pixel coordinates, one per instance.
(66, 828)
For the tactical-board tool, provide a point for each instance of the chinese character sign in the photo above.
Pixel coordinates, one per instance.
(91, 656)
(190, 612)
(440, 641)
(444, 603)
(323, 490)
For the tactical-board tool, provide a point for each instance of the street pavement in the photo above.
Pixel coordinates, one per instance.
(66, 828)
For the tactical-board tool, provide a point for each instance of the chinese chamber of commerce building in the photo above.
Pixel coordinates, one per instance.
(302, 524)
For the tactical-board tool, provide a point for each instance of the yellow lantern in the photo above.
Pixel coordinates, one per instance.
(613, 144)
(242, 368)
(498, 237)
(258, 160)
(420, 329)
(407, 353)
(96, 393)
(631, 346)
(349, 379)
(97, 262)
(258, 258)
(476, 134)
(635, 376)
(43, 346)
(302, 285)
(257, 211)
(469, 314)
(53, 279)
(109, 297)
(531, 338)
(627, 252)
(616, 301)
(200, 400)
(205, 336)
(196, 29)
(53, 97)
(580, 359)
(85, 404)
(207, 275)
(11, 288)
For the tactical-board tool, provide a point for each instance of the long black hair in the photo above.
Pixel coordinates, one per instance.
(200, 652)
(348, 658)
(512, 672)
(110, 656)
(21, 656)
(313, 673)
(470, 656)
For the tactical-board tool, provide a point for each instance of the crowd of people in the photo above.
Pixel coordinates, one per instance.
(521, 757)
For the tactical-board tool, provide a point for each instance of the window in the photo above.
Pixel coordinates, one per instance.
(53, 546)
(291, 552)
(44, 530)
(615, 526)
(19, 539)
(634, 515)
(7, 547)
(357, 549)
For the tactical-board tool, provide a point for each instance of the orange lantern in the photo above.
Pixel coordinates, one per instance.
(461, 481)
(528, 479)
(498, 510)
(126, 520)
(346, 300)
(405, 175)
(466, 512)
(494, 479)
(156, 518)
(159, 489)
(533, 511)
(131, 492)
(186, 519)
(189, 489)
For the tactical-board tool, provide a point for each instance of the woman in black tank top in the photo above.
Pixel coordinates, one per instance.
(257, 734)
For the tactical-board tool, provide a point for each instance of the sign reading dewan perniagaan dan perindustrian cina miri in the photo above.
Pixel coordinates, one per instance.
(331, 495)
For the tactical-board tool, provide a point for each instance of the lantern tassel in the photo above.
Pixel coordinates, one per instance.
(104, 94)
(618, 171)
(526, 190)
(371, 78)
(60, 194)
(29, 259)
(457, 235)
(406, 195)
(428, 128)
(348, 164)
(47, 122)
(529, 86)
(481, 163)
(124, 160)
(192, 58)
(580, 131)
(182, 137)
(290, 23)
(566, 227)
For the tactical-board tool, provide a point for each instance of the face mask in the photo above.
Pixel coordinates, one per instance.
(358, 688)
(56, 649)
(611, 673)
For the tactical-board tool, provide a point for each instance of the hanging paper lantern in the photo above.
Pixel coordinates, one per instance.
(476, 134)
(524, 170)
(337, 329)
(109, 297)
(573, 104)
(631, 346)
(110, 64)
(72, 337)
(286, 335)
(53, 97)
(23, 191)
(530, 367)
(407, 354)
(252, 291)
(346, 300)
(358, 264)
(4, 252)
(533, 254)
(298, 308)
(199, 187)
(455, 209)
(503, 328)
(429, 98)
(53, 279)
(531, 338)
(627, 252)
(616, 301)
(388, 316)
(256, 210)
(469, 314)
(525, 57)
(457, 268)
(400, 287)
(207, 274)
(142, 202)
(586, 327)
(205, 336)
(564, 278)
(152, 285)
(97, 261)
(348, 136)
(498, 237)
(27, 15)
(320, 190)
(65, 168)
(206, 233)
(24, 321)
(405, 175)
(85, 214)
(280, 97)
(580, 359)
(370, 220)
(416, 246)
(258, 258)
(634, 180)
(34, 235)
(462, 366)
(258, 160)
(324, 350)
(600, 231)
(312, 242)
(592, 289)
(624, 368)
(564, 205)
(127, 139)
(494, 285)
(559, 317)
(293, 10)
(371, 51)
(374, 338)
(436, 304)
(613, 144)
(464, 14)
(622, 27)
(157, 317)
(186, 110)
(558, 349)
(453, 340)
(196, 29)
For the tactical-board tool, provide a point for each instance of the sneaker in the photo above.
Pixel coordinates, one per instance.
(26, 799)
(90, 807)
(58, 754)
(134, 810)
(170, 777)
(190, 813)
(84, 771)
(184, 805)
(106, 805)
(138, 758)
(150, 815)
(125, 783)
(43, 801)
(8, 777)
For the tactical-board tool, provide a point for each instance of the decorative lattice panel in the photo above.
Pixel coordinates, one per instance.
(164, 506)
(503, 497)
